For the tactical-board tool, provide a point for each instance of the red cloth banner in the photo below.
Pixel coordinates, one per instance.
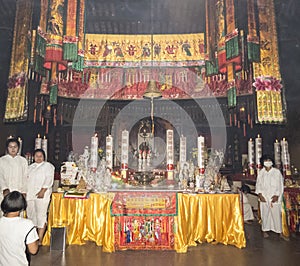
(136, 232)
(144, 204)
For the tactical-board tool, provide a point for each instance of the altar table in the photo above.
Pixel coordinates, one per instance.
(212, 218)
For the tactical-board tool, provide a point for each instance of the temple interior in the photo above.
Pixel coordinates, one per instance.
(142, 105)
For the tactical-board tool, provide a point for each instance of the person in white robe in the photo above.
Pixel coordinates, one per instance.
(269, 188)
(13, 170)
(40, 181)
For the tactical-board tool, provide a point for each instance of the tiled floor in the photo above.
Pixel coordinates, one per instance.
(272, 251)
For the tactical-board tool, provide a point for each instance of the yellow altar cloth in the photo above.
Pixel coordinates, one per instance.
(201, 218)
(84, 219)
(213, 218)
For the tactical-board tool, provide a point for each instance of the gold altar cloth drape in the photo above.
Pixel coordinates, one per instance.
(201, 218)
(213, 218)
(84, 219)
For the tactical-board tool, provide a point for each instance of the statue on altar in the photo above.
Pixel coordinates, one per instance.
(184, 175)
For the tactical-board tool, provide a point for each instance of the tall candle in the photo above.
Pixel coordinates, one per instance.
(277, 155)
(201, 146)
(94, 152)
(251, 156)
(182, 154)
(285, 157)
(258, 150)
(251, 152)
(44, 146)
(38, 142)
(170, 149)
(20, 147)
(109, 152)
(124, 149)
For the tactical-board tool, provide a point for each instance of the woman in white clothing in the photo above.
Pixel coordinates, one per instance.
(40, 181)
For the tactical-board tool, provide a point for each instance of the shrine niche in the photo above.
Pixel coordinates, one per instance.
(148, 151)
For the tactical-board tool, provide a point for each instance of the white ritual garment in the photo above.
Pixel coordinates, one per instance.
(13, 173)
(40, 175)
(270, 183)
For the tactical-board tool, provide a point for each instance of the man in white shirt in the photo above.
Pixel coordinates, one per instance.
(13, 169)
(269, 188)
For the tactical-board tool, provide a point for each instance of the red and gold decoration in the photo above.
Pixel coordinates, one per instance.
(269, 98)
(144, 220)
(252, 37)
(17, 100)
(70, 40)
(216, 63)
(144, 204)
(151, 233)
(39, 44)
(135, 50)
(292, 200)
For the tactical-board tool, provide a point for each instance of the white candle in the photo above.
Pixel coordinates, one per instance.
(258, 149)
(277, 155)
(124, 149)
(20, 146)
(182, 155)
(201, 146)
(94, 152)
(251, 152)
(38, 142)
(109, 152)
(170, 149)
(44, 146)
(285, 156)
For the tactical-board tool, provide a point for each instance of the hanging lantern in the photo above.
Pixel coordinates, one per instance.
(152, 92)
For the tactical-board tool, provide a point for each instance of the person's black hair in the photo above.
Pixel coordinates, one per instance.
(245, 189)
(41, 151)
(13, 202)
(12, 140)
(265, 158)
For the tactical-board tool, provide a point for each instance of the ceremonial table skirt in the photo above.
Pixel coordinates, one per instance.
(215, 218)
